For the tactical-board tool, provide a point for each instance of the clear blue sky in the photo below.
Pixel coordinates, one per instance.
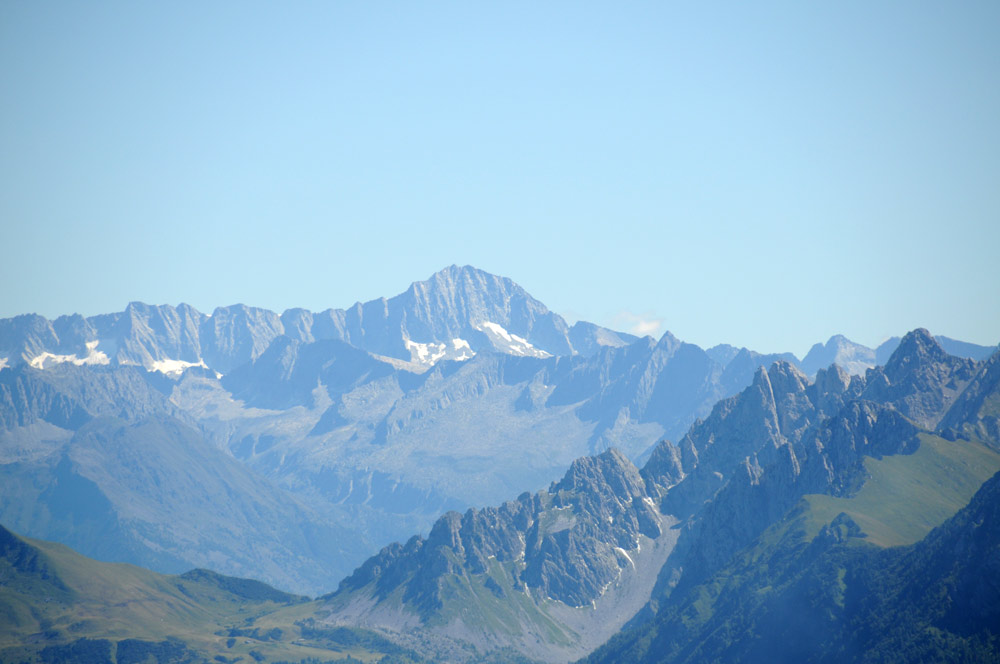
(762, 174)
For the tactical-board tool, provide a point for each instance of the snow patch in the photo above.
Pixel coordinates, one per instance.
(47, 360)
(627, 557)
(424, 353)
(509, 343)
(428, 354)
(175, 367)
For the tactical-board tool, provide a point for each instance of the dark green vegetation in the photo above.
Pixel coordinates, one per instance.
(57, 606)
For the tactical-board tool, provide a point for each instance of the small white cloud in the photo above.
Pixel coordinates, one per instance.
(638, 324)
(647, 327)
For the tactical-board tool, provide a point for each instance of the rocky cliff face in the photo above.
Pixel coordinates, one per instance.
(568, 543)
(854, 358)
(556, 566)
(975, 413)
(829, 460)
(920, 380)
(144, 335)
(778, 408)
(25, 400)
(236, 335)
(27, 336)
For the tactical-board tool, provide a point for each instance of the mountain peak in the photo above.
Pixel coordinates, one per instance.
(455, 271)
(916, 348)
(669, 342)
(455, 303)
(786, 377)
(920, 379)
(610, 467)
(469, 279)
(853, 357)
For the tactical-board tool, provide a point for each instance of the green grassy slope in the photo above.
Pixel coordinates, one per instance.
(57, 605)
(906, 496)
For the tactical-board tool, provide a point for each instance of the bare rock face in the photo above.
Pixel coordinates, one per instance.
(834, 453)
(605, 499)
(778, 409)
(853, 357)
(920, 380)
(975, 413)
(664, 469)
(26, 336)
(566, 543)
(25, 400)
(145, 334)
(828, 459)
(238, 334)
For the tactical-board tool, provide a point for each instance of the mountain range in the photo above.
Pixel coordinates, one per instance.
(290, 448)
(556, 573)
(802, 520)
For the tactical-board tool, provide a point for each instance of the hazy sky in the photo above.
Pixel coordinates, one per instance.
(759, 174)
